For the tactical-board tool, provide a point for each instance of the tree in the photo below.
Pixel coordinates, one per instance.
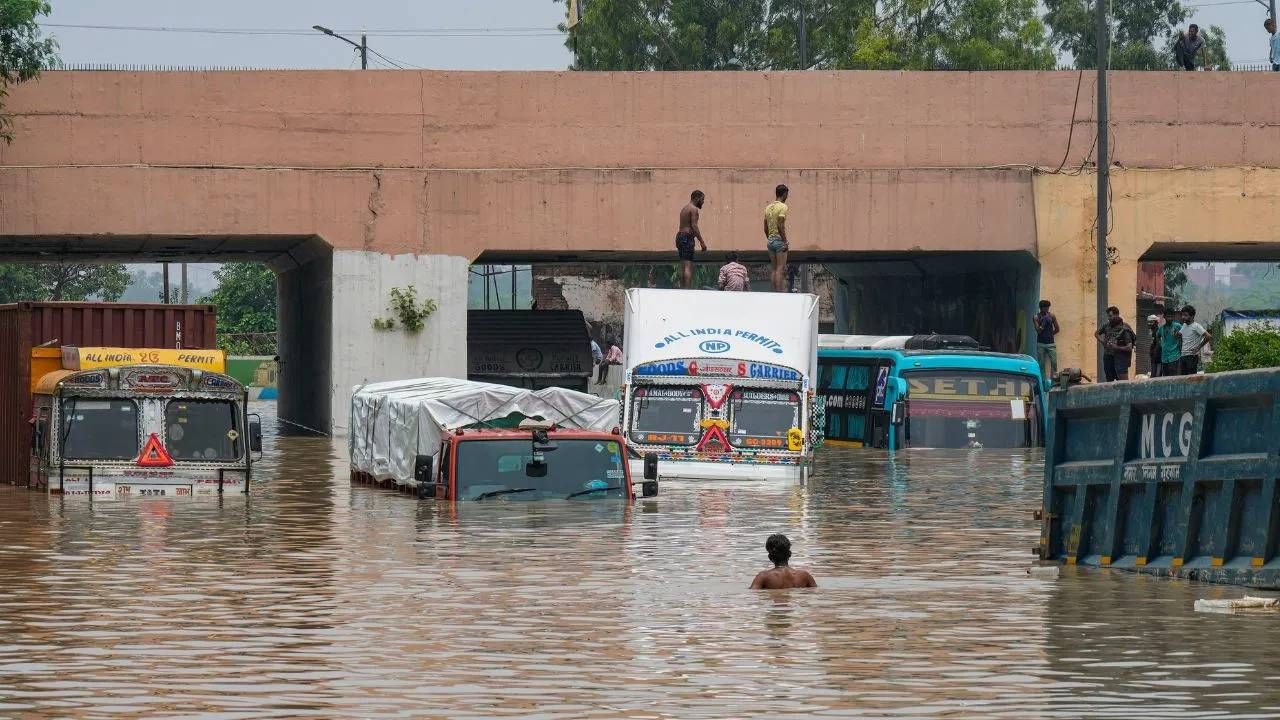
(1143, 34)
(1175, 280)
(23, 52)
(64, 281)
(1256, 346)
(246, 302)
(760, 35)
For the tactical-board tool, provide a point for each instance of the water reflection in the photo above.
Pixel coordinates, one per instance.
(313, 597)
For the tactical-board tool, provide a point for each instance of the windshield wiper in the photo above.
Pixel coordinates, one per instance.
(570, 496)
(507, 491)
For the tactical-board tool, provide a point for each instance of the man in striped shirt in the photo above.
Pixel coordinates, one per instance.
(733, 275)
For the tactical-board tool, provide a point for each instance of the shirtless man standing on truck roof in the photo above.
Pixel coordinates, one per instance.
(689, 232)
(782, 576)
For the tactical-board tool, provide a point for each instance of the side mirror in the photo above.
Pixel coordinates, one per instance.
(37, 436)
(649, 488)
(423, 472)
(255, 435)
(651, 468)
(899, 413)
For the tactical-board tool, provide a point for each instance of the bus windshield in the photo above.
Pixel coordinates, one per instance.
(666, 415)
(761, 418)
(577, 469)
(972, 409)
(99, 429)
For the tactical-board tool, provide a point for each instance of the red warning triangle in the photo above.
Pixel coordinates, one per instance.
(153, 454)
(713, 442)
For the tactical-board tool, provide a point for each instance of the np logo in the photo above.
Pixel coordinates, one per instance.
(715, 347)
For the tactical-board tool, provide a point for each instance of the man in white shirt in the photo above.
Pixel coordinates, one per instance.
(1194, 338)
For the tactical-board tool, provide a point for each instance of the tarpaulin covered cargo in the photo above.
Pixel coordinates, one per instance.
(394, 422)
(86, 324)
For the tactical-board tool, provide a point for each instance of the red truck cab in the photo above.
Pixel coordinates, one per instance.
(528, 464)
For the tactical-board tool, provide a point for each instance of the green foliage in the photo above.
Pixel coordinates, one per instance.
(1257, 346)
(404, 305)
(1143, 33)
(23, 52)
(1175, 281)
(246, 302)
(64, 281)
(760, 35)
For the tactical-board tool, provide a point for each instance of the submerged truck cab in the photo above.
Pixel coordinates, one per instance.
(459, 440)
(113, 422)
(543, 463)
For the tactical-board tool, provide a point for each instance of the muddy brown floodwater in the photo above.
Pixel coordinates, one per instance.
(316, 598)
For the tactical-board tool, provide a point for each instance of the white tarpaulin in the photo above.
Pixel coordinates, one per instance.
(393, 422)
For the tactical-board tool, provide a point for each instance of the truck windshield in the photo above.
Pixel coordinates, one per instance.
(594, 468)
(666, 415)
(761, 418)
(99, 429)
(949, 409)
(202, 430)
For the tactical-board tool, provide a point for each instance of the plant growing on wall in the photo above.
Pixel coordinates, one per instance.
(406, 308)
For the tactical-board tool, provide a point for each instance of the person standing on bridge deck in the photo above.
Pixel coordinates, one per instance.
(1170, 340)
(1194, 337)
(1117, 340)
(1046, 347)
(689, 232)
(775, 235)
(1189, 44)
(1273, 44)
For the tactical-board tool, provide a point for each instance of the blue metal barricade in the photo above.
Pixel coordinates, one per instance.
(1173, 476)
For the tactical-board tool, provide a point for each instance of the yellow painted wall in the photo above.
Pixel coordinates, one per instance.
(1235, 209)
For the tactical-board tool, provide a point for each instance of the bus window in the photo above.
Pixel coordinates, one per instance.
(848, 389)
(958, 409)
(760, 419)
(99, 429)
(666, 415)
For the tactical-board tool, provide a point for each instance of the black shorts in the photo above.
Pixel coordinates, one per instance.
(1189, 364)
(684, 245)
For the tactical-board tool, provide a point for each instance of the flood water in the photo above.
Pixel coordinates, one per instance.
(317, 598)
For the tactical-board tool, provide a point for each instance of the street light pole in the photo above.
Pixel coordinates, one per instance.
(804, 38)
(1104, 167)
(1270, 6)
(362, 46)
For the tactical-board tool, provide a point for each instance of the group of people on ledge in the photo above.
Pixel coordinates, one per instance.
(734, 275)
(1176, 343)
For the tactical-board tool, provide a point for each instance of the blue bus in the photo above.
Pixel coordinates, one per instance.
(928, 391)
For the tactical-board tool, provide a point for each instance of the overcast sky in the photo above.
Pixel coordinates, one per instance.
(480, 43)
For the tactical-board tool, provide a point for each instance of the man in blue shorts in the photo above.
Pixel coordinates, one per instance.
(689, 232)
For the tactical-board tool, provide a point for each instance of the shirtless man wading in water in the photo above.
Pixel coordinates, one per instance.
(782, 576)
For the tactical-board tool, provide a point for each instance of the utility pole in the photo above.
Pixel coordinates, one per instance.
(182, 294)
(165, 266)
(1104, 166)
(362, 46)
(1271, 8)
(804, 38)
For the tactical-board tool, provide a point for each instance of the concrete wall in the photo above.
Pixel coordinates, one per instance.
(362, 283)
(444, 167)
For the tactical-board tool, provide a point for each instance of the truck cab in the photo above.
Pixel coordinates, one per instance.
(532, 463)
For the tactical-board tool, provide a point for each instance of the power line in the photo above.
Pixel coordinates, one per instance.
(411, 32)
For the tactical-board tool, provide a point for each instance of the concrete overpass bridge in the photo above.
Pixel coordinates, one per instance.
(941, 198)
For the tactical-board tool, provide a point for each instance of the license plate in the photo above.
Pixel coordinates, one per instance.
(149, 490)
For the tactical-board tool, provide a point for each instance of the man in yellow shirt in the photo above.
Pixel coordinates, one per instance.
(775, 233)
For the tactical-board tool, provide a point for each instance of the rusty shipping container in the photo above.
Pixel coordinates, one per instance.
(84, 324)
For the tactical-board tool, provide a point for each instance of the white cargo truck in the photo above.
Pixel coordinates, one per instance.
(721, 384)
